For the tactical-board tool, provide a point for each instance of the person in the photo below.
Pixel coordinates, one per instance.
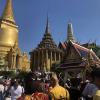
(39, 93)
(90, 88)
(96, 75)
(97, 95)
(1, 91)
(74, 90)
(89, 91)
(16, 90)
(56, 91)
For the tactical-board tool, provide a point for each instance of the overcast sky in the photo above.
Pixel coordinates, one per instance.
(30, 16)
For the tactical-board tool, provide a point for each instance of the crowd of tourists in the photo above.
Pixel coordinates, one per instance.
(32, 88)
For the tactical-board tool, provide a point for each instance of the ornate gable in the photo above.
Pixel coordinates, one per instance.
(72, 55)
(62, 46)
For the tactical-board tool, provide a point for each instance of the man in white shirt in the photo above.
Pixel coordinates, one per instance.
(1, 91)
(2, 88)
(16, 91)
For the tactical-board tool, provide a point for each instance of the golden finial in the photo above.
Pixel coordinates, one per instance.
(8, 12)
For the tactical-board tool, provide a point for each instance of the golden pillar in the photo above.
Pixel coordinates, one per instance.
(33, 61)
(42, 67)
(38, 60)
(55, 56)
(44, 60)
(19, 62)
(50, 60)
(47, 59)
(59, 57)
(10, 60)
(14, 61)
(36, 64)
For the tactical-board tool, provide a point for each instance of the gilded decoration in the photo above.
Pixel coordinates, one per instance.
(12, 57)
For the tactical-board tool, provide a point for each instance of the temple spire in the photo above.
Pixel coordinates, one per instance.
(70, 32)
(8, 12)
(47, 26)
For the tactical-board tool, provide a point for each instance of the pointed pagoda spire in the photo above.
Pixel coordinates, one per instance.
(70, 36)
(8, 12)
(47, 40)
(47, 26)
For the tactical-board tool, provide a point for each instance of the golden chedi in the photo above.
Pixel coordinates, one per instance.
(10, 53)
(8, 28)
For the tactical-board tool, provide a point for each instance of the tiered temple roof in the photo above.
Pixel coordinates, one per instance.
(84, 52)
(47, 40)
(76, 54)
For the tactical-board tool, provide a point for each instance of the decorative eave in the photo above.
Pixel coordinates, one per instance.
(45, 49)
(7, 22)
(68, 67)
